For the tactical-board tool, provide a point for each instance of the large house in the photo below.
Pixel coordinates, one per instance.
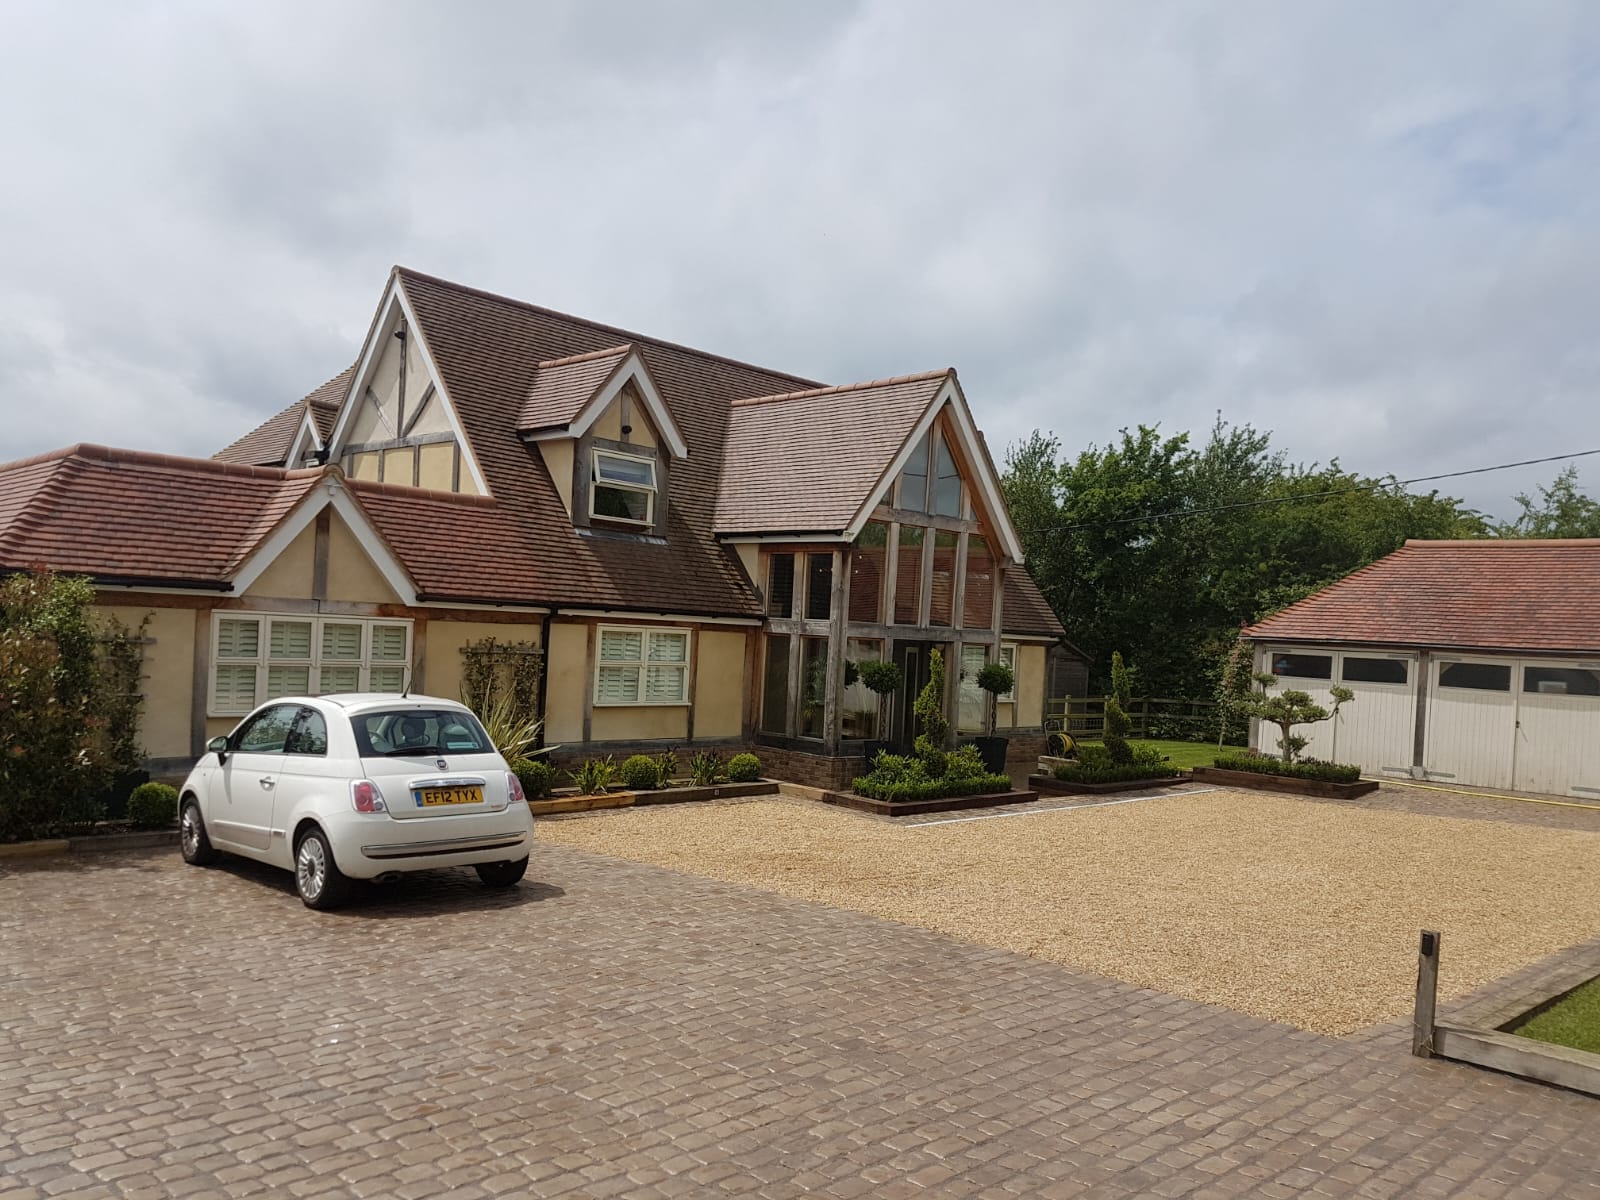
(700, 546)
(1473, 663)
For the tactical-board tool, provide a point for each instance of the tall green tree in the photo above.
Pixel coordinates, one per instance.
(1563, 510)
(1162, 548)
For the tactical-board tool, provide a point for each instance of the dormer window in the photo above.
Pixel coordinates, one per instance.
(623, 488)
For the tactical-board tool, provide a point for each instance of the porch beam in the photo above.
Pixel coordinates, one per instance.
(955, 524)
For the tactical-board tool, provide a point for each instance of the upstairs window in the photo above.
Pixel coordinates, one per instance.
(623, 488)
(947, 480)
(914, 480)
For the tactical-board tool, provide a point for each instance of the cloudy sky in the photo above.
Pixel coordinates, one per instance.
(1371, 228)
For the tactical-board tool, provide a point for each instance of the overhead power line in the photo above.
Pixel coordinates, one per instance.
(1347, 491)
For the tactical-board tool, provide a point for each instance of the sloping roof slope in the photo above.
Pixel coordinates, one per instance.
(562, 386)
(806, 461)
(119, 514)
(267, 445)
(1024, 608)
(488, 350)
(1489, 595)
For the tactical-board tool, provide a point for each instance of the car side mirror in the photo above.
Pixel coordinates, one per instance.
(219, 747)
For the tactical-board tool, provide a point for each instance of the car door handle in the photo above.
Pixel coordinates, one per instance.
(266, 783)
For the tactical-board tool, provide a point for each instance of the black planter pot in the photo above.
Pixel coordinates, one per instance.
(993, 750)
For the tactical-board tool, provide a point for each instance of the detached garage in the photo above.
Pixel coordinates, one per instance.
(1471, 662)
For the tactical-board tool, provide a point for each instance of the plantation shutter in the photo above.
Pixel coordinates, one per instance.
(664, 685)
(387, 679)
(290, 639)
(669, 647)
(621, 645)
(238, 639)
(288, 681)
(339, 679)
(388, 642)
(233, 689)
(616, 685)
(341, 641)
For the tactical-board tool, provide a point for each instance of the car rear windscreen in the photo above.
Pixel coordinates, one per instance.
(392, 733)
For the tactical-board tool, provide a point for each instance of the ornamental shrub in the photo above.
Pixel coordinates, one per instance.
(153, 806)
(706, 768)
(929, 707)
(1117, 722)
(1112, 772)
(594, 776)
(538, 778)
(912, 788)
(965, 763)
(996, 679)
(744, 768)
(639, 773)
(1324, 772)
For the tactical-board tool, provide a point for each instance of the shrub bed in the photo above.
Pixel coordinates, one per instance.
(1112, 772)
(1322, 772)
(930, 789)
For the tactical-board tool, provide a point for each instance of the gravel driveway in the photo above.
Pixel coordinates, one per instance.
(1295, 911)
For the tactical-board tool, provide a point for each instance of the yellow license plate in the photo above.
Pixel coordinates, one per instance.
(428, 797)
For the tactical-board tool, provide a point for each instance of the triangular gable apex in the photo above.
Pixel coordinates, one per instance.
(306, 435)
(987, 480)
(330, 493)
(630, 368)
(392, 309)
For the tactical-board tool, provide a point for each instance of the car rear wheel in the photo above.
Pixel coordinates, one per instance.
(316, 876)
(192, 839)
(502, 874)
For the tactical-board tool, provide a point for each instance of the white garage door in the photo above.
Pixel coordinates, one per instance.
(1375, 731)
(1558, 728)
(1472, 721)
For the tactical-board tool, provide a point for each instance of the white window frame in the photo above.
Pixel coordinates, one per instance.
(263, 660)
(1008, 655)
(649, 493)
(643, 663)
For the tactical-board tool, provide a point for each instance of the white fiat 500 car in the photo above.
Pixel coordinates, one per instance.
(336, 788)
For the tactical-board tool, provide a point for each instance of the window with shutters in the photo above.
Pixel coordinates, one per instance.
(641, 666)
(258, 657)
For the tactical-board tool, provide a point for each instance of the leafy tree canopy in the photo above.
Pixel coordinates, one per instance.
(1562, 511)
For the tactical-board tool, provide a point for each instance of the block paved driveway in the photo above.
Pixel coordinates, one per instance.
(617, 1030)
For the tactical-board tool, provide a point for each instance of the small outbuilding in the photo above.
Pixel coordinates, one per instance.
(1472, 663)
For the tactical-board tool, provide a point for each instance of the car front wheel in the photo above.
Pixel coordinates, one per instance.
(316, 876)
(502, 874)
(192, 839)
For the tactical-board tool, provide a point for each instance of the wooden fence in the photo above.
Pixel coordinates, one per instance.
(1150, 716)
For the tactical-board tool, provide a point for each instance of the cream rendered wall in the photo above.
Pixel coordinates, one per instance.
(168, 685)
(441, 662)
(289, 575)
(609, 423)
(566, 661)
(367, 425)
(364, 466)
(351, 574)
(436, 468)
(640, 723)
(558, 461)
(1026, 709)
(750, 559)
(719, 684)
(399, 465)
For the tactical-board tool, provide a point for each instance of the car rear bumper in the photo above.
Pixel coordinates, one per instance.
(371, 845)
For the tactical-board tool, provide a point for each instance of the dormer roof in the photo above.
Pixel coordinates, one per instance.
(568, 395)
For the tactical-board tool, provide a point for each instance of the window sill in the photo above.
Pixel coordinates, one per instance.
(642, 704)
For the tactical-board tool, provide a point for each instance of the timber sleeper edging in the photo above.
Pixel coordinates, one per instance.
(911, 808)
(1262, 782)
(91, 843)
(557, 805)
(1050, 785)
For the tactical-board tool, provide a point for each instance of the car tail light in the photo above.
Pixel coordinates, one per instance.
(514, 789)
(367, 797)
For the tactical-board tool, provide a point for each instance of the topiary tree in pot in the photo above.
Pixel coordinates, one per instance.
(882, 679)
(996, 679)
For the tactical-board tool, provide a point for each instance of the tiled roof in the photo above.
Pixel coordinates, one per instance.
(268, 443)
(1024, 609)
(488, 350)
(1491, 595)
(125, 514)
(807, 461)
(562, 386)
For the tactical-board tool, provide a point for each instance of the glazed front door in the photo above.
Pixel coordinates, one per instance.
(912, 659)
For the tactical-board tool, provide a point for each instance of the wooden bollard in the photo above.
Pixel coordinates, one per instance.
(1427, 994)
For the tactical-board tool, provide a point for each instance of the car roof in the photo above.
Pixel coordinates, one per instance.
(352, 702)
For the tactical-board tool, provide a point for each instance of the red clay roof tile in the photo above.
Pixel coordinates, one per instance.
(1490, 595)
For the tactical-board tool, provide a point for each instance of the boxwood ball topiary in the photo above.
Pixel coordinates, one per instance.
(744, 768)
(153, 806)
(538, 778)
(639, 773)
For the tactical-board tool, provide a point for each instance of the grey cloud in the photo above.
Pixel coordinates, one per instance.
(1371, 228)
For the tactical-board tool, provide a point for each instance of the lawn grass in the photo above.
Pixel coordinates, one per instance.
(1573, 1021)
(1182, 755)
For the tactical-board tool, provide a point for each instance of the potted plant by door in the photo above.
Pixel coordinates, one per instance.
(883, 679)
(996, 679)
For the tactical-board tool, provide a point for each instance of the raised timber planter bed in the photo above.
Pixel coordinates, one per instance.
(1050, 785)
(911, 808)
(557, 805)
(1284, 783)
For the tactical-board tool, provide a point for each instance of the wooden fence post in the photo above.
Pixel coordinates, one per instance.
(1427, 994)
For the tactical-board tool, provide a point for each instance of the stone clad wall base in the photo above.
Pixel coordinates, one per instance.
(1023, 752)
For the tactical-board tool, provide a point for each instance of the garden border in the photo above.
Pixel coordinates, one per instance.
(912, 808)
(1320, 789)
(557, 805)
(1050, 785)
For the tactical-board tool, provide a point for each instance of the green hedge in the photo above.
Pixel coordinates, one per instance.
(930, 789)
(1321, 771)
(153, 806)
(1113, 772)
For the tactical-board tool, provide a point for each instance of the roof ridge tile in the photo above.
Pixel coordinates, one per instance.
(590, 356)
(893, 381)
